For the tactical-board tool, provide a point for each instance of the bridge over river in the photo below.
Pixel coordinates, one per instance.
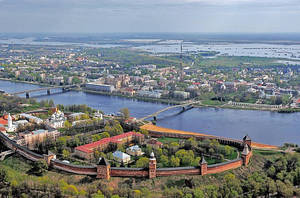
(185, 106)
(27, 92)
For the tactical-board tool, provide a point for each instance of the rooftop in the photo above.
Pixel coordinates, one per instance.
(88, 148)
(120, 155)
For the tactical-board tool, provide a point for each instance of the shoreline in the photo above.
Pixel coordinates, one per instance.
(155, 100)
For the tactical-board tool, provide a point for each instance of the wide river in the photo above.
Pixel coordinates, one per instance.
(262, 126)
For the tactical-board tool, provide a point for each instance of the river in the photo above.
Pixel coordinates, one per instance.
(262, 126)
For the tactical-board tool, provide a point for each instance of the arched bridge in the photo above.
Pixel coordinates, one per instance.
(64, 88)
(184, 105)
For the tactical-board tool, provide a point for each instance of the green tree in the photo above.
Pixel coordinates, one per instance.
(211, 191)
(164, 160)
(66, 154)
(3, 178)
(67, 124)
(231, 186)
(143, 162)
(174, 161)
(125, 113)
(198, 193)
(99, 194)
(39, 167)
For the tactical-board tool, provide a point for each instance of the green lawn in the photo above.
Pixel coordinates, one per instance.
(165, 140)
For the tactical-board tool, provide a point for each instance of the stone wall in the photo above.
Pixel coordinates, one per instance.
(82, 170)
(128, 172)
(221, 167)
(124, 172)
(178, 171)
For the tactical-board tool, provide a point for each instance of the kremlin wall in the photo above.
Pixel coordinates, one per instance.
(104, 171)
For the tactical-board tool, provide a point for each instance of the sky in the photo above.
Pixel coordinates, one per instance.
(102, 16)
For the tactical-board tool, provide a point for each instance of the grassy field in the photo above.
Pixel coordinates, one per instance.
(165, 140)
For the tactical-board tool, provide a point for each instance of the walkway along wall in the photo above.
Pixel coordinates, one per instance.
(104, 170)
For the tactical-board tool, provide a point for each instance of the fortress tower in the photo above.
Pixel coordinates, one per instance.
(152, 166)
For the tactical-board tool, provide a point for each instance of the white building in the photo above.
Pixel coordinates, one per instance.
(121, 157)
(134, 150)
(97, 86)
(57, 119)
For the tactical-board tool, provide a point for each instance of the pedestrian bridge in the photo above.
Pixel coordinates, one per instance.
(185, 107)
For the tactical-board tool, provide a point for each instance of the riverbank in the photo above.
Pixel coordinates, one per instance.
(164, 100)
(27, 82)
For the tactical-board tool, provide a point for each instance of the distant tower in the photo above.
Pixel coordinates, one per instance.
(152, 166)
(9, 121)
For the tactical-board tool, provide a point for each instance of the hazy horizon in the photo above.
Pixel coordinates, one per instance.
(142, 16)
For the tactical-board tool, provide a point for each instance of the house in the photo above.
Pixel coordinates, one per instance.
(121, 157)
(155, 143)
(134, 150)
(31, 118)
(33, 137)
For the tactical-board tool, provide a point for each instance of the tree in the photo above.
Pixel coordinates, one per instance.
(198, 193)
(190, 143)
(231, 187)
(51, 103)
(174, 161)
(99, 194)
(186, 157)
(164, 160)
(283, 189)
(3, 178)
(125, 113)
(67, 124)
(39, 168)
(66, 154)
(211, 191)
(143, 162)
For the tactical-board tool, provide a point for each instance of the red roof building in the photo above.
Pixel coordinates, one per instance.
(3, 120)
(86, 151)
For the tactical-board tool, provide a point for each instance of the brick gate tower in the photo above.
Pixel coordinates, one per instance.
(103, 169)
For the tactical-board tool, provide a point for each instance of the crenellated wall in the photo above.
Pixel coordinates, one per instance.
(82, 170)
(178, 171)
(128, 172)
(221, 167)
(125, 172)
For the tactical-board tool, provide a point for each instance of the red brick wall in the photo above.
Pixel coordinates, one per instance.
(129, 173)
(225, 167)
(74, 169)
(177, 172)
